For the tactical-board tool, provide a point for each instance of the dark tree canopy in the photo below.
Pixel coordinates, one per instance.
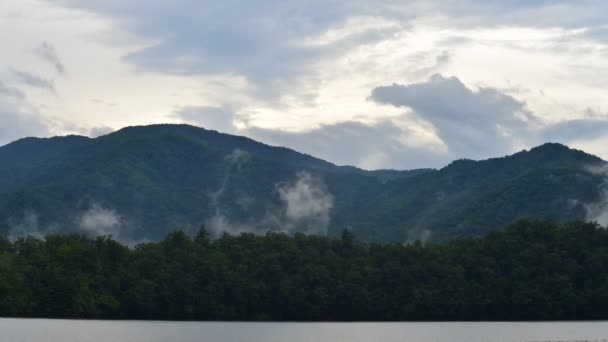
(530, 271)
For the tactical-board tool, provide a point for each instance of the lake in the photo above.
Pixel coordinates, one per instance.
(29, 330)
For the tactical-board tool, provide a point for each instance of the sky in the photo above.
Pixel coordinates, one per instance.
(375, 84)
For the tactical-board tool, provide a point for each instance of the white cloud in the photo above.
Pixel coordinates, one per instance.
(98, 220)
(307, 204)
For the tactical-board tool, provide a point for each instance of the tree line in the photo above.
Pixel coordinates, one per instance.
(529, 271)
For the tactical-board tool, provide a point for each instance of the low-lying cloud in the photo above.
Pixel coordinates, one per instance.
(220, 222)
(94, 220)
(306, 204)
(27, 225)
(598, 210)
(98, 220)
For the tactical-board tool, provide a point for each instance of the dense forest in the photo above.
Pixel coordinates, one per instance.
(530, 271)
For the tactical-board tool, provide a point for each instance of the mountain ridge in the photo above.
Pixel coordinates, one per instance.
(143, 181)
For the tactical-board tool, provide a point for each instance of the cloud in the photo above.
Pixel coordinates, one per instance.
(472, 123)
(449, 120)
(266, 42)
(304, 206)
(17, 123)
(238, 158)
(98, 220)
(306, 203)
(598, 33)
(48, 53)
(316, 58)
(28, 225)
(402, 143)
(34, 81)
(19, 119)
(386, 143)
(598, 211)
(587, 133)
(11, 91)
(94, 220)
(219, 224)
(217, 118)
(319, 58)
(575, 130)
(178, 50)
(440, 60)
(234, 163)
(260, 40)
(220, 221)
(99, 131)
(66, 127)
(485, 122)
(392, 142)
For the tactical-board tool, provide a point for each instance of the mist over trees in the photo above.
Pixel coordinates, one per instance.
(530, 271)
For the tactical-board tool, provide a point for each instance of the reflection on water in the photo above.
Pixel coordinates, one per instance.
(574, 341)
(29, 330)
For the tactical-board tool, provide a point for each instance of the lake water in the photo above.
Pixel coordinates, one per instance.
(29, 330)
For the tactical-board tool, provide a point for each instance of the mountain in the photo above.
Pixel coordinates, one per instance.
(471, 198)
(140, 183)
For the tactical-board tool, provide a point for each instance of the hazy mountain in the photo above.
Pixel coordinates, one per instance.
(142, 182)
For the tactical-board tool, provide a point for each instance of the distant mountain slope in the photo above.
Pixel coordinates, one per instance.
(469, 198)
(142, 182)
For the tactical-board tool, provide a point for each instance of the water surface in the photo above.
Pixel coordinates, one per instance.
(30, 330)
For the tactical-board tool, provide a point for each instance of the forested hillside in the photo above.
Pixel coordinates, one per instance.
(531, 271)
(140, 183)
